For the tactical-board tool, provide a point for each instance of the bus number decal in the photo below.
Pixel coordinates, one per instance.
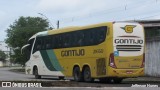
(97, 51)
(80, 52)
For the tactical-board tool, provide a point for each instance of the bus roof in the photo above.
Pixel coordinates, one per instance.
(44, 33)
(68, 29)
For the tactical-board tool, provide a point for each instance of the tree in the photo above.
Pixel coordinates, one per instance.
(20, 31)
(2, 56)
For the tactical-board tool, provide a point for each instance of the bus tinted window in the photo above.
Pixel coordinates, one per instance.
(31, 44)
(38, 44)
(86, 37)
(48, 42)
(29, 48)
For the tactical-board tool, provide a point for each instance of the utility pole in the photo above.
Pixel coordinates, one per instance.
(10, 56)
(58, 24)
(47, 19)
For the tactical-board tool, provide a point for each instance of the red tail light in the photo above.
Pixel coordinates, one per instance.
(111, 61)
(143, 62)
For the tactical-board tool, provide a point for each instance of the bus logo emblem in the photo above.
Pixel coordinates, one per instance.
(128, 28)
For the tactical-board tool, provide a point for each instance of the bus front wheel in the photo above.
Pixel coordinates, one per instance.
(36, 73)
(61, 77)
(77, 74)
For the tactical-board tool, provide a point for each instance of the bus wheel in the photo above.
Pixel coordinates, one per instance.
(77, 74)
(118, 80)
(61, 77)
(36, 73)
(87, 75)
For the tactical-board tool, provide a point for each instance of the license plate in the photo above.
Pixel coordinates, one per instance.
(129, 72)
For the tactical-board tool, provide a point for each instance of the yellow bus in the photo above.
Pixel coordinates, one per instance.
(109, 52)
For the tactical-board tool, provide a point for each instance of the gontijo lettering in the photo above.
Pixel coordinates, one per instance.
(128, 41)
(80, 52)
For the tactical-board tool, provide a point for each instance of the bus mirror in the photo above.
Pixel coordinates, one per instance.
(24, 47)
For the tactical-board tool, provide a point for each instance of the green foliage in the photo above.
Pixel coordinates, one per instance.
(20, 31)
(2, 56)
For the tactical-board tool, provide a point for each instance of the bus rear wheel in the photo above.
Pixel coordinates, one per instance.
(36, 73)
(87, 74)
(77, 74)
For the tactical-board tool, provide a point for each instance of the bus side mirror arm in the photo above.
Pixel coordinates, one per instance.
(24, 47)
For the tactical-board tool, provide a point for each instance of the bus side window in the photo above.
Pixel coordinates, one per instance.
(29, 48)
(43, 41)
(48, 42)
(93, 37)
(90, 37)
(56, 41)
(59, 39)
(31, 44)
(38, 45)
(102, 34)
(87, 39)
(66, 40)
(80, 38)
(73, 39)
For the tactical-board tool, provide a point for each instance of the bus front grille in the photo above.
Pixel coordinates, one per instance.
(101, 66)
(128, 47)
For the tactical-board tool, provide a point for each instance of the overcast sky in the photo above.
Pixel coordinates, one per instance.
(77, 12)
